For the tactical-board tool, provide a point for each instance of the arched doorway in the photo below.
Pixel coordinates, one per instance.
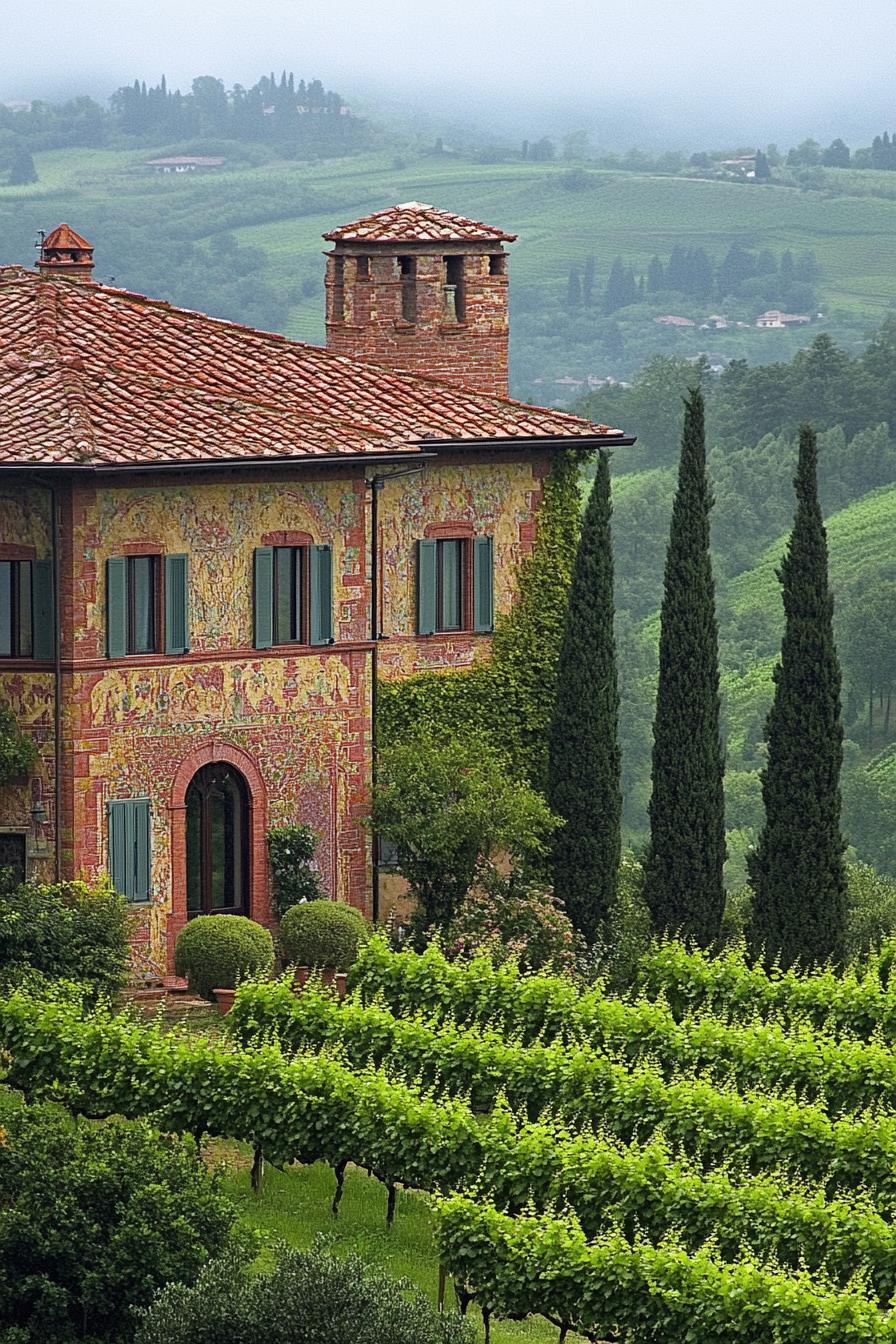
(218, 841)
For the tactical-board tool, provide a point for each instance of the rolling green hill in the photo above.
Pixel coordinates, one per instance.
(283, 207)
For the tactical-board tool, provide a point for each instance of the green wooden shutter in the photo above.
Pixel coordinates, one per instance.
(483, 584)
(177, 604)
(116, 608)
(264, 597)
(129, 847)
(321, 614)
(426, 587)
(140, 810)
(119, 865)
(43, 609)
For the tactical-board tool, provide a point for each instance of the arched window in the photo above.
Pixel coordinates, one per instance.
(217, 842)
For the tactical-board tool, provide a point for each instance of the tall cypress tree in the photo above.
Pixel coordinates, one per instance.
(796, 869)
(686, 854)
(584, 757)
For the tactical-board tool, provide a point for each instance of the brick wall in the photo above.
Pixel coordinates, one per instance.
(365, 306)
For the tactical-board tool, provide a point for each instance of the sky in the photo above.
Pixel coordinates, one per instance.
(676, 72)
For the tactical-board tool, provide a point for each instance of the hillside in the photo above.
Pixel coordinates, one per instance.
(164, 235)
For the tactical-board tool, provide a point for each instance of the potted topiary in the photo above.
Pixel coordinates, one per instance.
(215, 952)
(322, 935)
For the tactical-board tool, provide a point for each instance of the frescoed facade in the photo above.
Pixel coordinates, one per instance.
(188, 505)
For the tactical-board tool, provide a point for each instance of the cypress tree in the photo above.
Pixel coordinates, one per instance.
(686, 854)
(584, 756)
(796, 869)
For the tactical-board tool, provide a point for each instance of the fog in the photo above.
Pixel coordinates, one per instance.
(630, 71)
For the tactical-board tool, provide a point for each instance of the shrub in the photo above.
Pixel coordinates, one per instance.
(96, 1218)
(217, 951)
(70, 930)
(309, 1297)
(446, 805)
(323, 933)
(293, 880)
(18, 753)
(626, 933)
(510, 917)
(871, 909)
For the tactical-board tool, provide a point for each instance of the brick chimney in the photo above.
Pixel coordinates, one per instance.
(414, 287)
(65, 253)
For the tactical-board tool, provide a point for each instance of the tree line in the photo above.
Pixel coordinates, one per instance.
(796, 867)
(744, 274)
(274, 110)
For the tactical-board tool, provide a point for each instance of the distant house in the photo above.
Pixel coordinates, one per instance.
(743, 166)
(670, 321)
(775, 318)
(716, 322)
(185, 163)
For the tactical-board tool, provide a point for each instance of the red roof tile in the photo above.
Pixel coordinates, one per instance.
(64, 236)
(414, 222)
(91, 375)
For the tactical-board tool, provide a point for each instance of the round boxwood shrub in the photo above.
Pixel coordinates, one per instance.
(306, 1297)
(323, 933)
(217, 951)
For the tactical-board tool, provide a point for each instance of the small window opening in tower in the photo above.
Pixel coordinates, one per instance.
(407, 267)
(455, 289)
(497, 263)
(362, 268)
(338, 308)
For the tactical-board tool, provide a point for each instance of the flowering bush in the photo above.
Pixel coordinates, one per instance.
(510, 916)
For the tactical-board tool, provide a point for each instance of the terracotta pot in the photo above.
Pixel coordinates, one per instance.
(224, 999)
(328, 975)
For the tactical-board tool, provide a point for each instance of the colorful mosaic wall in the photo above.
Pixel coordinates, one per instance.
(297, 722)
(25, 533)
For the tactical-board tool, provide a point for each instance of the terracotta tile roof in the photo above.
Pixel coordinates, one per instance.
(64, 236)
(415, 222)
(91, 375)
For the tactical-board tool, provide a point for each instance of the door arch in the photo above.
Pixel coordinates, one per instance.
(207, 753)
(217, 818)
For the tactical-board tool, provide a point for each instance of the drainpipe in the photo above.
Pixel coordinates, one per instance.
(57, 683)
(376, 483)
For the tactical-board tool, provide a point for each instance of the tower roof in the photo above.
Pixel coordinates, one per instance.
(64, 237)
(414, 222)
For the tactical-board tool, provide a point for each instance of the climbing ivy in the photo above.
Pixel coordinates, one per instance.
(508, 699)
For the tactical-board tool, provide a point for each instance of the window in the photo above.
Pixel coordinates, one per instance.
(362, 268)
(13, 856)
(129, 847)
(497, 264)
(407, 267)
(26, 609)
(136, 614)
(293, 595)
(338, 293)
(455, 583)
(455, 289)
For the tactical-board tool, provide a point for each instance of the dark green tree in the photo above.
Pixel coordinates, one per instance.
(686, 853)
(21, 168)
(796, 869)
(584, 759)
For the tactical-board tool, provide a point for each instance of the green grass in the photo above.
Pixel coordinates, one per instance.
(294, 1206)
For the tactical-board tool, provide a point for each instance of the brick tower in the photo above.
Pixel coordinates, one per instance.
(417, 288)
